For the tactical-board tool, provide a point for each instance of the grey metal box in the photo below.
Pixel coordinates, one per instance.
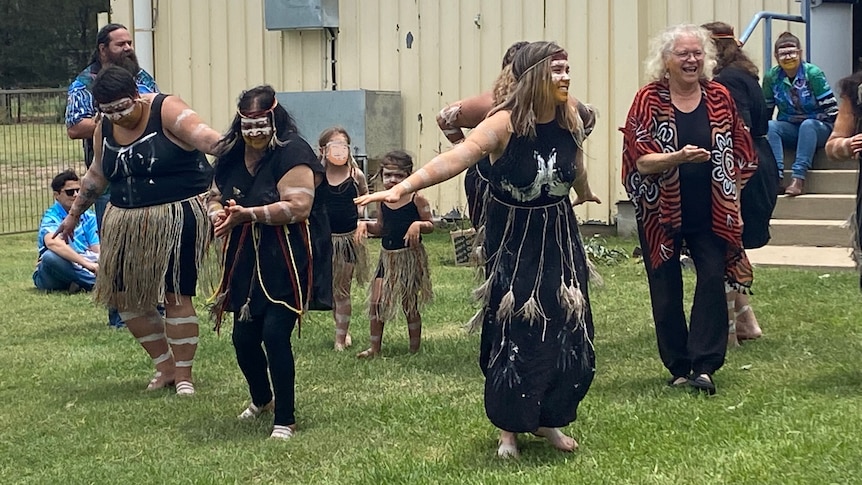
(373, 118)
(300, 14)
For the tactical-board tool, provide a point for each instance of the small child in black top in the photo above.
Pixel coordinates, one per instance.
(402, 277)
(349, 255)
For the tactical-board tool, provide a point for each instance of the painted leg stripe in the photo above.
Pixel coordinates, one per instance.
(166, 356)
(183, 363)
(153, 337)
(126, 316)
(182, 320)
(183, 341)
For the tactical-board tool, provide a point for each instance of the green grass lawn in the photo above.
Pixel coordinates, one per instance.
(73, 408)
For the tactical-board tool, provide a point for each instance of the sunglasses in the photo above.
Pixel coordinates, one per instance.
(71, 192)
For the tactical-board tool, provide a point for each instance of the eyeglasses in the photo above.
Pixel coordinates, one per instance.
(792, 54)
(71, 192)
(684, 55)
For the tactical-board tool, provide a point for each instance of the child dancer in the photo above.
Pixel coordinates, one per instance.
(402, 274)
(349, 254)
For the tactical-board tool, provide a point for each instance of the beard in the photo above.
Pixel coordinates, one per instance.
(128, 62)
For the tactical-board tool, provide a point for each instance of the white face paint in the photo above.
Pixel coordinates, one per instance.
(337, 150)
(392, 177)
(560, 78)
(255, 127)
(119, 109)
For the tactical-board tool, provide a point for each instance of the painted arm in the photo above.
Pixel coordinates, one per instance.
(296, 189)
(423, 225)
(185, 127)
(844, 143)
(582, 188)
(490, 137)
(466, 113)
(93, 184)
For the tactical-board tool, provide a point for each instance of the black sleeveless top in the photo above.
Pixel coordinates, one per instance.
(342, 211)
(535, 172)
(152, 169)
(396, 222)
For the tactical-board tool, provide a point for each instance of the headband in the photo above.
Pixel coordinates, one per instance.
(560, 55)
(260, 113)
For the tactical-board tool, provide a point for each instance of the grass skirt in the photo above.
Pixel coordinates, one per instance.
(406, 280)
(137, 248)
(345, 252)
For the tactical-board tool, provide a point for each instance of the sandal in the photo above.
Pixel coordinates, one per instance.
(253, 411)
(281, 432)
(703, 382)
(185, 388)
(678, 381)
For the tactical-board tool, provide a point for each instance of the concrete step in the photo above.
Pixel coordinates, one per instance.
(804, 257)
(807, 232)
(815, 206)
(827, 181)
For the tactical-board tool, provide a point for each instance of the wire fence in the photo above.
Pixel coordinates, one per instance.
(33, 149)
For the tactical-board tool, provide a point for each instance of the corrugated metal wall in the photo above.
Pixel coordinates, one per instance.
(208, 51)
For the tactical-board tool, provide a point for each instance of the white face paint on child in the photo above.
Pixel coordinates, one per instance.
(560, 78)
(337, 150)
(257, 132)
(393, 176)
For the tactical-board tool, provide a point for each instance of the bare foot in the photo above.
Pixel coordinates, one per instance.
(508, 445)
(557, 439)
(746, 324)
(367, 354)
(160, 381)
(343, 344)
(732, 340)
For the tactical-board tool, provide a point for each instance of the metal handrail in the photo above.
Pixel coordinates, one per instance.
(805, 6)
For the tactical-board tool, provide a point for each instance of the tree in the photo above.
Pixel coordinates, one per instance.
(44, 43)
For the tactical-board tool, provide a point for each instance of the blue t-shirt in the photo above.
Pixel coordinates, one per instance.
(85, 235)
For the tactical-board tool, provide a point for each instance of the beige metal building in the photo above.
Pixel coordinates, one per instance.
(208, 51)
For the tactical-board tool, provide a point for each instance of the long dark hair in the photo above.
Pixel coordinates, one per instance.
(851, 88)
(258, 100)
(103, 38)
(728, 51)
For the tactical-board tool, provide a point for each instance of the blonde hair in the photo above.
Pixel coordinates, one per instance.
(660, 47)
(531, 70)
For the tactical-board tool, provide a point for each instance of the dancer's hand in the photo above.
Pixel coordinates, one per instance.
(361, 233)
(411, 239)
(856, 143)
(392, 195)
(692, 153)
(66, 231)
(588, 197)
(234, 215)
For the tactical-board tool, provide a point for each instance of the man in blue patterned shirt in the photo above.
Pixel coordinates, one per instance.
(113, 46)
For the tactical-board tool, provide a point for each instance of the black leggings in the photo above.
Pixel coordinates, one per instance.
(272, 327)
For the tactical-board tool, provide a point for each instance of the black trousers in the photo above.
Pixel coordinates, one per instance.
(700, 346)
(272, 329)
